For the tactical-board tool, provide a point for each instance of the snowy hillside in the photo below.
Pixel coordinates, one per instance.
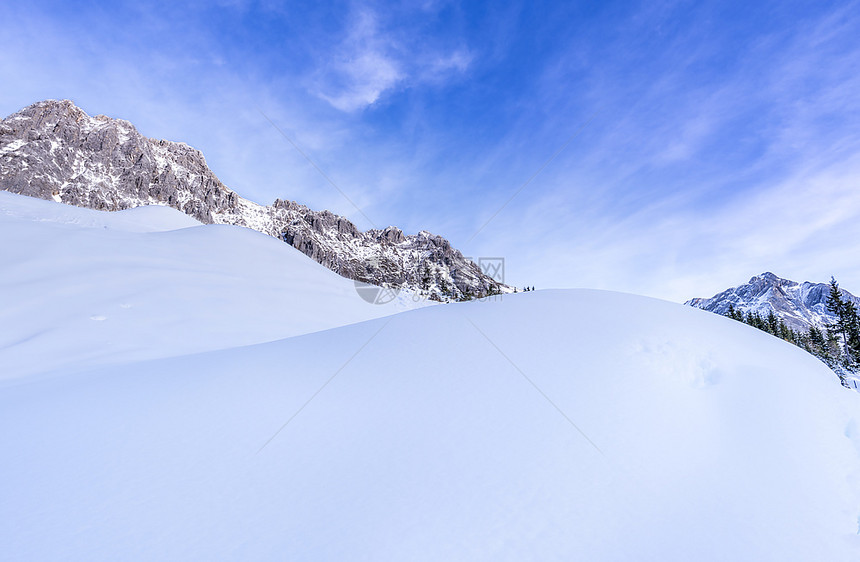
(549, 425)
(83, 287)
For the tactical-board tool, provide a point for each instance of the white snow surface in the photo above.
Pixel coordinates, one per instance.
(549, 425)
(83, 287)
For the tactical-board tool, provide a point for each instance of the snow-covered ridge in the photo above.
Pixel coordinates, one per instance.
(799, 305)
(54, 150)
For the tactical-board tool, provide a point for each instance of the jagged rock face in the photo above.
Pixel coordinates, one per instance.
(54, 150)
(799, 305)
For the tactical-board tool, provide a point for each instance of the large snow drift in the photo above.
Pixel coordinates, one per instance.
(83, 287)
(552, 425)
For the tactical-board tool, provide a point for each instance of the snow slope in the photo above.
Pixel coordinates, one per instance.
(420, 437)
(83, 287)
(549, 425)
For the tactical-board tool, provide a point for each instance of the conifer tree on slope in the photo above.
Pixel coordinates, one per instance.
(846, 328)
(852, 343)
(817, 342)
(836, 307)
(772, 324)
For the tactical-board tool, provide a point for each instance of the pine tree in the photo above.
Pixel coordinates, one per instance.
(817, 343)
(794, 337)
(735, 314)
(783, 331)
(772, 324)
(852, 333)
(757, 321)
(836, 306)
(832, 347)
(801, 338)
(845, 330)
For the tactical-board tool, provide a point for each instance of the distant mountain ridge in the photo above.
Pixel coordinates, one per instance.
(54, 150)
(799, 305)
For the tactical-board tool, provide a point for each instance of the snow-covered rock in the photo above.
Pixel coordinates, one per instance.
(799, 305)
(54, 150)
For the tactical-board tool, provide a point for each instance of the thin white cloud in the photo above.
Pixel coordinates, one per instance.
(369, 63)
(458, 60)
(441, 66)
(364, 66)
(367, 76)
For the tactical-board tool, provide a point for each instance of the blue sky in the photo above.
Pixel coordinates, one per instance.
(711, 140)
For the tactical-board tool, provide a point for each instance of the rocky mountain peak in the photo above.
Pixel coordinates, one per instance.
(768, 277)
(799, 305)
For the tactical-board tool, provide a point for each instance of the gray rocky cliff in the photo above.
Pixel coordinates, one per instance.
(54, 150)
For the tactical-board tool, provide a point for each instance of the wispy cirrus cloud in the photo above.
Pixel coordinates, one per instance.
(363, 67)
(440, 66)
(371, 62)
